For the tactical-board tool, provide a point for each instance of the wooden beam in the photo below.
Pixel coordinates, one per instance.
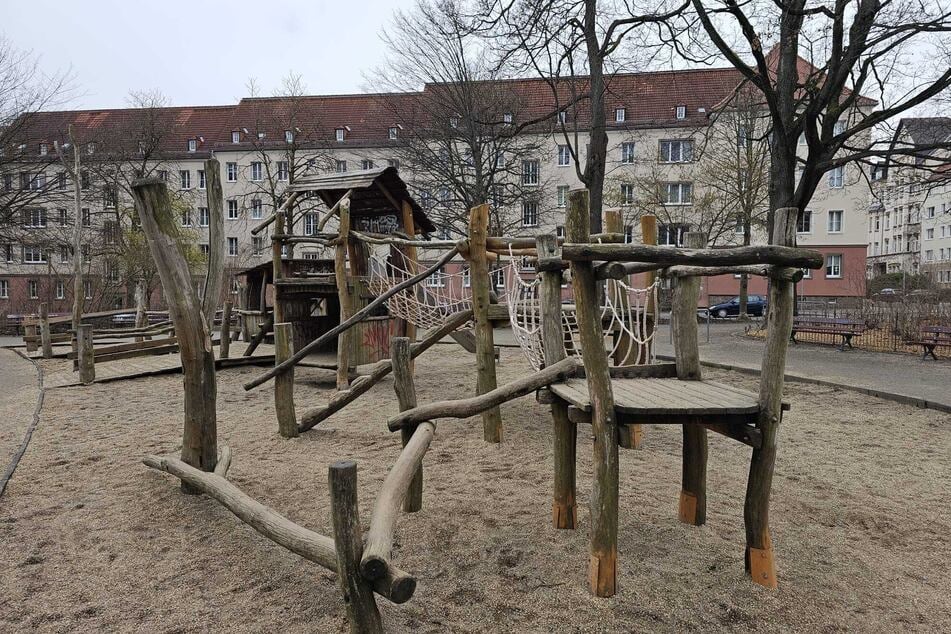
(85, 354)
(485, 342)
(402, 361)
(215, 272)
(672, 256)
(284, 383)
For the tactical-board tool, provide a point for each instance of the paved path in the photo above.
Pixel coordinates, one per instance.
(924, 383)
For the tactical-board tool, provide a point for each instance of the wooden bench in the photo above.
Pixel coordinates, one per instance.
(931, 337)
(840, 326)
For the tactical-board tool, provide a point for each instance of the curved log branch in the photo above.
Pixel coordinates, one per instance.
(466, 407)
(398, 586)
(379, 544)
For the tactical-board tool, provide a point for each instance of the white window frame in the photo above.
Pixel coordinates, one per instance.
(204, 217)
(33, 289)
(257, 209)
(288, 136)
(185, 179)
(34, 253)
(531, 169)
(680, 187)
(836, 268)
(628, 193)
(680, 112)
(628, 149)
(232, 172)
(837, 177)
(392, 133)
(4, 289)
(529, 213)
(232, 247)
(564, 156)
(561, 194)
(192, 145)
(830, 224)
(340, 166)
(202, 183)
(340, 134)
(235, 136)
(257, 171)
(366, 164)
(684, 151)
(233, 210)
(620, 115)
(436, 279)
(283, 171)
(805, 216)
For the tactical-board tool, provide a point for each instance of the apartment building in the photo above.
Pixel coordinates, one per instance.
(659, 125)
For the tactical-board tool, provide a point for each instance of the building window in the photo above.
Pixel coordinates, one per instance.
(564, 155)
(310, 224)
(620, 115)
(288, 136)
(393, 163)
(436, 280)
(257, 171)
(201, 179)
(204, 249)
(110, 197)
(232, 209)
(186, 179)
(507, 118)
(33, 255)
(671, 235)
(341, 166)
(87, 289)
(203, 217)
(529, 213)
(392, 133)
(33, 288)
(257, 245)
(677, 193)
(235, 136)
(562, 196)
(834, 266)
(186, 218)
(34, 218)
(233, 247)
(627, 194)
(680, 151)
(339, 134)
(192, 145)
(283, 171)
(257, 209)
(4, 289)
(530, 169)
(367, 164)
(560, 231)
(627, 152)
(681, 112)
(61, 180)
(8, 252)
(232, 172)
(63, 254)
(837, 177)
(835, 221)
(804, 221)
(807, 274)
(163, 175)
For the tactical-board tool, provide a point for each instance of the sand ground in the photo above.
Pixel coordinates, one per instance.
(91, 540)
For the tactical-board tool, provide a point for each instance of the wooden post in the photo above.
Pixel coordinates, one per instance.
(277, 268)
(409, 228)
(29, 336)
(683, 322)
(225, 346)
(401, 357)
(85, 354)
(284, 383)
(348, 543)
(159, 224)
(602, 571)
(141, 318)
(565, 433)
(214, 276)
(45, 339)
(343, 294)
(244, 303)
(485, 342)
(759, 547)
(649, 237)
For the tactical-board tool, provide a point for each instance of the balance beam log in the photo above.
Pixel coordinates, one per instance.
(397, 587)
(466, 407)
(672, 256)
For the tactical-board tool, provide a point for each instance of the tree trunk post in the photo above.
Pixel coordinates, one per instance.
(401, 358)
(409, 228)
(485, 338)
(78, 287)
(348, 543)
(564, 432)
(85, 354)
(29, 337)
(284, 382)
(200, 435)
(225, 349)
(46, 340)
(277, 268)
(683, 321)
(141, 319)
(602, 571)
(759, 548)
(343, 294)
(214, 276)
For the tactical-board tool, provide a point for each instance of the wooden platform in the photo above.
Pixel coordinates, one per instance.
(665, 401)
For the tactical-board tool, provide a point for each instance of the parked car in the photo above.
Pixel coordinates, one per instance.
(755, 307)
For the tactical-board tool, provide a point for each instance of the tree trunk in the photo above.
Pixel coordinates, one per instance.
(79, 294)
(214, 277)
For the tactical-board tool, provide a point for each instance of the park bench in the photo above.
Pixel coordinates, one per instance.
(931, 337)
(840, 326)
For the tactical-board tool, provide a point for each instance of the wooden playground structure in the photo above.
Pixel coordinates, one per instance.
(613, 389)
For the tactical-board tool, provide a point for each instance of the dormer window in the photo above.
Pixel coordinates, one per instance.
(393, 132)
(340, 134)
(44, 149)
(507, 118)
(192, 145)
(90, 148)
(22, 148)
(563, 116)
(235, 136)
(288, 136)
(620, 115)
(454, 122)
(681, 112)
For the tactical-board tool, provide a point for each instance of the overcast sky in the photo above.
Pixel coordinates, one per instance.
(200, 52)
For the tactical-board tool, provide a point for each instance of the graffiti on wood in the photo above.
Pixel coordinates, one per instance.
(386, 223)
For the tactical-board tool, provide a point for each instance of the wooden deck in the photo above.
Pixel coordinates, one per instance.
(159, 364)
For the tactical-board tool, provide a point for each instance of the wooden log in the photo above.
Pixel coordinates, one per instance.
(126, 347)
(258, 337)
(485, 343)
(86, 357)
(141, 317)
(277, 268)
(320, 549)
(672, 256)
(215, 271)
(45, 341)
(377, 554)
(409, 251)
(284, 383)
(348, 542)
(30, 337)
(466, 407)
(344, 295)
(602, 569)
(760, 563)
(405, 387)
(380, 370)
(224, 462)
(159, 224)
(692, 508)
(356, 318)
(225, 336)
(762, 270)
(564, 433)
(264, 224)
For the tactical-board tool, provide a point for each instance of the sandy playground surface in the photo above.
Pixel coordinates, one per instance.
(91, 540)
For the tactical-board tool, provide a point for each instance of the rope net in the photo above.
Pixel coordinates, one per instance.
(623, 319)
